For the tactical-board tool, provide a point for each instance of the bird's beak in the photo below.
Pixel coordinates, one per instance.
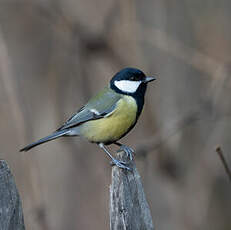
(148, 79)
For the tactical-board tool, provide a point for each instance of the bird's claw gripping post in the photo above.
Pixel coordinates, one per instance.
(129, 151)
(120, 164)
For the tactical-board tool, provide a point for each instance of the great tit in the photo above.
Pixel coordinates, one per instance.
(108, 116)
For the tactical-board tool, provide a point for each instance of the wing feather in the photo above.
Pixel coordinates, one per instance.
(100, 106)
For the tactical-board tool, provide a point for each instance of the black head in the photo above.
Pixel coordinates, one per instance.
(130, 81)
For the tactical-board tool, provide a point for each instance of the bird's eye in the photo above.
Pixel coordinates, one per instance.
(134, 78)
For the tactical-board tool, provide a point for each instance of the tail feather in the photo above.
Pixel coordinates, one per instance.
(45, 139)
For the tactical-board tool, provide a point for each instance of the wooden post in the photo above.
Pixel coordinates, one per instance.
(11, 215)
(128, 206)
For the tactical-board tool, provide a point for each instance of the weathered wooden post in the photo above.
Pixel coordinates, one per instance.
(128, 206)
(11, 214)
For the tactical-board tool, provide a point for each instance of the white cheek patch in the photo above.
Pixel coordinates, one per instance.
(127, 86)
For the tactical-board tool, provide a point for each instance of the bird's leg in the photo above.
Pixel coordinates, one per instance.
(120, 164)
(129, 151)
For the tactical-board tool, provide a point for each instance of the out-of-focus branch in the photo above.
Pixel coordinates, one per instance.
(224, 162)
(191, 56)
(8, 85)
(128, 206)
(157, 140)
(16, 111)
(215, 69)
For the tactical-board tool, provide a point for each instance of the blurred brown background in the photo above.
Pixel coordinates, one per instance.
(54, 55)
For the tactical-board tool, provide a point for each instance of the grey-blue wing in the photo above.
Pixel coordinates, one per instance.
(98, 107)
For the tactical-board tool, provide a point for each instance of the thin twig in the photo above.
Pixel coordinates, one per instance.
(224, 162)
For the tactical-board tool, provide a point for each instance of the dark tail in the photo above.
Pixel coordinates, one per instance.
(45, 139)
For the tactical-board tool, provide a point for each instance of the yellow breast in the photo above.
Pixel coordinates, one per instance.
(114, 126)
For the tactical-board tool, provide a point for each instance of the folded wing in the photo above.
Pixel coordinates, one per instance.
(100, 106)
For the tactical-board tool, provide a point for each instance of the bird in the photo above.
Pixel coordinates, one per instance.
(108, 116)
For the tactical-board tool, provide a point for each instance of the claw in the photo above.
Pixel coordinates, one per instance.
(129, 151)
(120, 164)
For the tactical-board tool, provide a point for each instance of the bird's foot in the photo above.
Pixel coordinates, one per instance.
(120, 164)
(129, 151)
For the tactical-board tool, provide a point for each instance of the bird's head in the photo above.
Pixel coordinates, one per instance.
(130, 81)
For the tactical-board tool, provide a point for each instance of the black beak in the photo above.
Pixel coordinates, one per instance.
(149, 79)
